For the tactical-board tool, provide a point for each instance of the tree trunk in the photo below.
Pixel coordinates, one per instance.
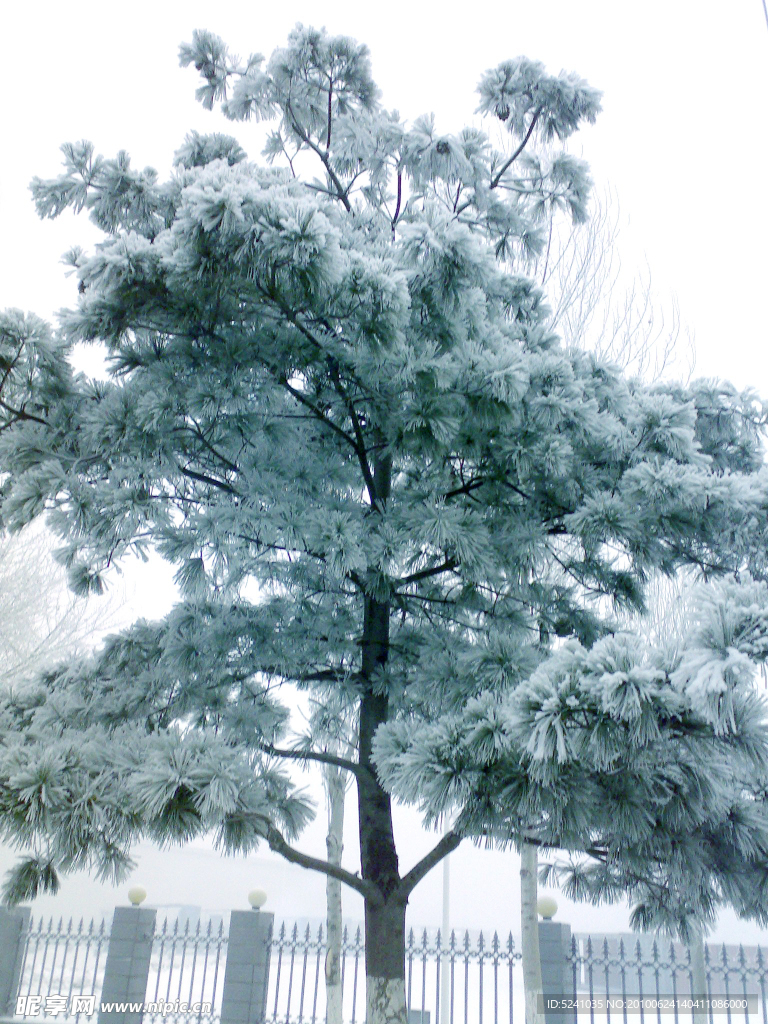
(530, 934)
(336, 790)
(385, 962)
(698, 975)
(385, 909)
(385, 905)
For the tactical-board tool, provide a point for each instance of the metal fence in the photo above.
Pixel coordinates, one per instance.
(479, 976)
(653, 971)
(484, 977)
(187, 965)
(63, 961)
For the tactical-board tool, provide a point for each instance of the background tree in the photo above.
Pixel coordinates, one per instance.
(338, 410)
(41, 621)
(332, 730)
(598, 307)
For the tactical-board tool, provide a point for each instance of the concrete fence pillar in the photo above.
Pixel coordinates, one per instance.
(556, 968)
(127, 967)
(246, 977)
(14, 922)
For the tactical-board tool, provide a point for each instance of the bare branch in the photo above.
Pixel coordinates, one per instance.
(447, 845)
(278, 844)
(316, 755)
(42, 622)
(597, 307)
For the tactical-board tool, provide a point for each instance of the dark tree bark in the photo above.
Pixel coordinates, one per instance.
(385, 907)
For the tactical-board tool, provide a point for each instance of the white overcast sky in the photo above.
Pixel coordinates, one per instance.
(682, 139)
(682, 142)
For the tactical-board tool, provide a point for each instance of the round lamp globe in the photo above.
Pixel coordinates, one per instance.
(136, 895)
(547, 907)
(257, 898)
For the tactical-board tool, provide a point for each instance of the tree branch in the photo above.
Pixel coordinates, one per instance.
(447, 845)
(518, 151)
(467, 488)
(399, 201)
(278, 844)
(21, 414)
(330, 113)
(362, 456)
(424, 574)
(11, 365)
(198, 432)
(222, 485)
(341, 192)
(318, 413)
(320, 756)
(355, 442)
(495, 180)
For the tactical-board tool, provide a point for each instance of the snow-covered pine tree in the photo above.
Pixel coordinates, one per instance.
(336, 406)
(650, 759)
